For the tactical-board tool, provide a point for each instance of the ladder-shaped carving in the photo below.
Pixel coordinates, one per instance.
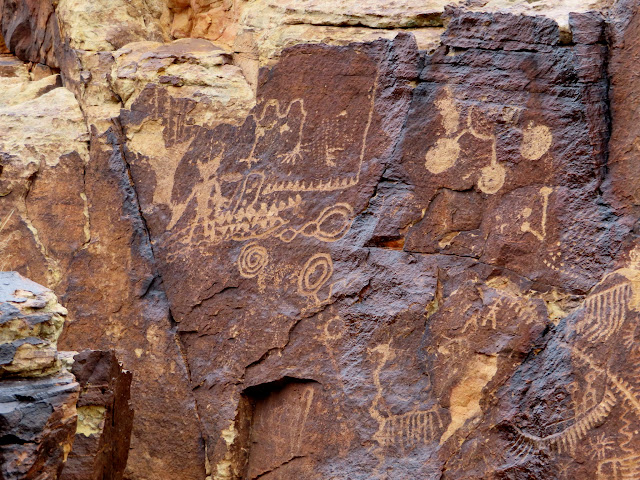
(409, 429)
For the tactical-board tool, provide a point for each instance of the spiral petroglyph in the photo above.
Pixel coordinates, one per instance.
(252, 260)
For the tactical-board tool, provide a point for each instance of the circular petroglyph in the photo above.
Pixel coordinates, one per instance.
(332, 224)
(334, 328)
(491, 178)
(315, 274)
(536, 141)
(443, 155)
(252, 260)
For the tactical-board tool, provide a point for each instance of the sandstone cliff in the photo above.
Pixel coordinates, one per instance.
(339, 239)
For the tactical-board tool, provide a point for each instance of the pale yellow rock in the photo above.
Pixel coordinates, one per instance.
(25, 90)
(267, 44)
(92, 88)
(192, 69)
(375, 14)
(31, 320)
(466, 395)
(398, 13)
(12, 72)
(276, 24)
(42, 129)
(188, 68)
(90, 420)
(557, 10)
(36, 131)
(108, 25)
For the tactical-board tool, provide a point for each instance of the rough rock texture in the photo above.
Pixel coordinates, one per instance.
(37, 426)
(31, 321)
(29, 29)
(103, 432)
(69, 219)
(411, 256)
(37, 400)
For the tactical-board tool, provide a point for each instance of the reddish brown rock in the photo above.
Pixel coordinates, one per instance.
(411, 271)
(30, 30)
(101, 445)
(397, 264)
(257, 220)
(61, 226)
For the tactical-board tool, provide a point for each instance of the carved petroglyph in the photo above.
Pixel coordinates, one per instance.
(605, 310)
(252, 260)
(619, 385)
(303, 413)
(565, 440)
(313, 276)
(332, 224)
(406, 430)
(604, 313)
(603, 447)
(536, 141)
(492, 176)
(444, 154)
(273, 119)
(554, 262)
(522, 310)
(605, 316)
(540, 234)
(278, 425)
(409, 429)
(624, 468)
(283, 167)
(334, 328)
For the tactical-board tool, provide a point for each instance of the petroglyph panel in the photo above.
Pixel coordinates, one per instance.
(249, 221)
(604, 395)
(514, 150)
(409, 242)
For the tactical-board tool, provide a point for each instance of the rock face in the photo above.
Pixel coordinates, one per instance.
(31, 321)
(37, 400)
(410, 256)
(50, 400)
(101, 444)
(37, 425)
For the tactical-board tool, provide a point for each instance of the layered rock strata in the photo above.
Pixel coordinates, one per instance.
(58, 412)
(37, 398)
(338, 240)
(31, 321)
(37, 425)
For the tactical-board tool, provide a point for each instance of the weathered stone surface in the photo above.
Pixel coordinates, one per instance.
(31, 321)
(502, 226)
(29, 29)
(189, 68)
(105, 26)
(37, 425)
(103, 432)
(131, 317)
(61, 226)
(413, 257)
